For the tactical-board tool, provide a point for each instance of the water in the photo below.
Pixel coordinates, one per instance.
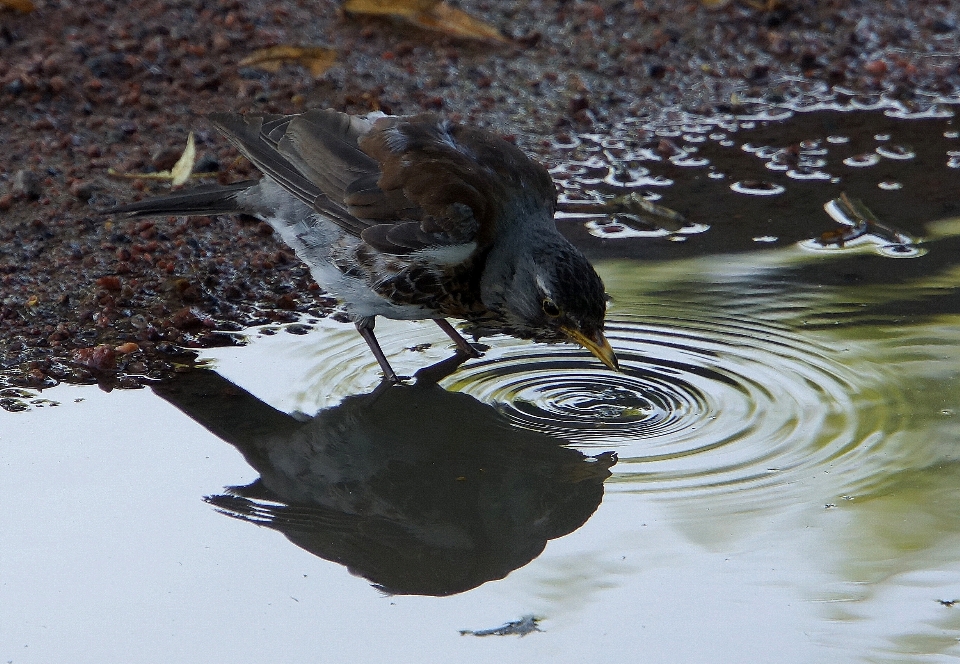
(772, 477)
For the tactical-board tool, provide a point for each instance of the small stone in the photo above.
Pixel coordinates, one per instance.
(110, 283)
(27, 183)
(111, 65)
(185, 318)
(100, 358)
(577, 104)
(15, 87)
(129, 383)
(207, 164)
(82, 189)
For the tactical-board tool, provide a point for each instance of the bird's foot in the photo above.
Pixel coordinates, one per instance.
(463, 346)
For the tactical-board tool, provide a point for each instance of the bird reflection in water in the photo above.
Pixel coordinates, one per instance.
(417, 489)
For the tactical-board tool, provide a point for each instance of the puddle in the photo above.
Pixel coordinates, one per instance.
(772, 477)
(764, 172)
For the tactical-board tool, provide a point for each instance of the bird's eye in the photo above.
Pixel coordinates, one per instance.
(550, 308)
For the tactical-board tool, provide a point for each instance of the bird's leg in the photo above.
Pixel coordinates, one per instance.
(365, 328)
(461, 343)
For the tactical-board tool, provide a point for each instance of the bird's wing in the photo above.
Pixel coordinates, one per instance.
(314, 156)
(402, 184)
(440, 185)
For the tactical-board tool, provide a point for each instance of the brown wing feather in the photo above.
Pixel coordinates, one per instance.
(374, 179)
(366, 200)
(323, 146)
(447, 170)
(260, 139)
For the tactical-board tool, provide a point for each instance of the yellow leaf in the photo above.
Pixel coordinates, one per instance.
(444, 18)
(24, 6)
(179, 174)
(161, 175)
(430, 15)
(390, 7)
(315, 58)
(184, 167)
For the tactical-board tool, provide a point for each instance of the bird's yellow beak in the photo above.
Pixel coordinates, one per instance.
(597, 344)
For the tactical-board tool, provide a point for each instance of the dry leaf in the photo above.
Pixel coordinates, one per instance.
(315, 58)
(857, 220)
(390, 7)
(24, 6)
(428, 14)
(445, 18)
(184, 167)
(178, 175)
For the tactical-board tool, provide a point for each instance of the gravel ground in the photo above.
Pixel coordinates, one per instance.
(86, 86)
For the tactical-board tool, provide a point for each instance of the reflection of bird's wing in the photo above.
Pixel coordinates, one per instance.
(403, 184)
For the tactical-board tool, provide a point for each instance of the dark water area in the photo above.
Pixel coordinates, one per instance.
(759, 182)
(773, 476)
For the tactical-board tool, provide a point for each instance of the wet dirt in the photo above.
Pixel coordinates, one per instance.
(89, 86)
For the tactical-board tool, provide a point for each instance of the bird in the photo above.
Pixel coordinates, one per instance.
(411, 218)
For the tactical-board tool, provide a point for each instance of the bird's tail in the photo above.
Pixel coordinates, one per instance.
(214, 199)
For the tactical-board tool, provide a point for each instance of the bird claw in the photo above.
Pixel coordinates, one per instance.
(474, 351)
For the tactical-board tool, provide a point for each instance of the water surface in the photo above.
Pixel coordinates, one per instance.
(772, 477)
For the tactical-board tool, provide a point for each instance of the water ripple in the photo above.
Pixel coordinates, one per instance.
(700, 403)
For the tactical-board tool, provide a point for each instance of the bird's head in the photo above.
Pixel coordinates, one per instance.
(555, 295)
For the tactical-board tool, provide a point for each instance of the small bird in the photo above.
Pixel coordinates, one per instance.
(412, 217)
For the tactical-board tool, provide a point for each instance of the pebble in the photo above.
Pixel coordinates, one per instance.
(99, 358)
(83, 190)
(27, 184)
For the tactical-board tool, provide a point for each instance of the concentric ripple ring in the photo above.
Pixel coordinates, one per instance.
(701, 402)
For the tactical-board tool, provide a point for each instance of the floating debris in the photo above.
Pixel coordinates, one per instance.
(757, 188)
(526, 625)
(631, 204)
(862, 160)
(900, 152)
(631, 215)
(859, 225)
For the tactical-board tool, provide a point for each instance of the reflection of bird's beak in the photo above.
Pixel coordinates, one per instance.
(596, 344)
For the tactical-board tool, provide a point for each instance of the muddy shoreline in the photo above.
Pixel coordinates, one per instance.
(86, 87)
